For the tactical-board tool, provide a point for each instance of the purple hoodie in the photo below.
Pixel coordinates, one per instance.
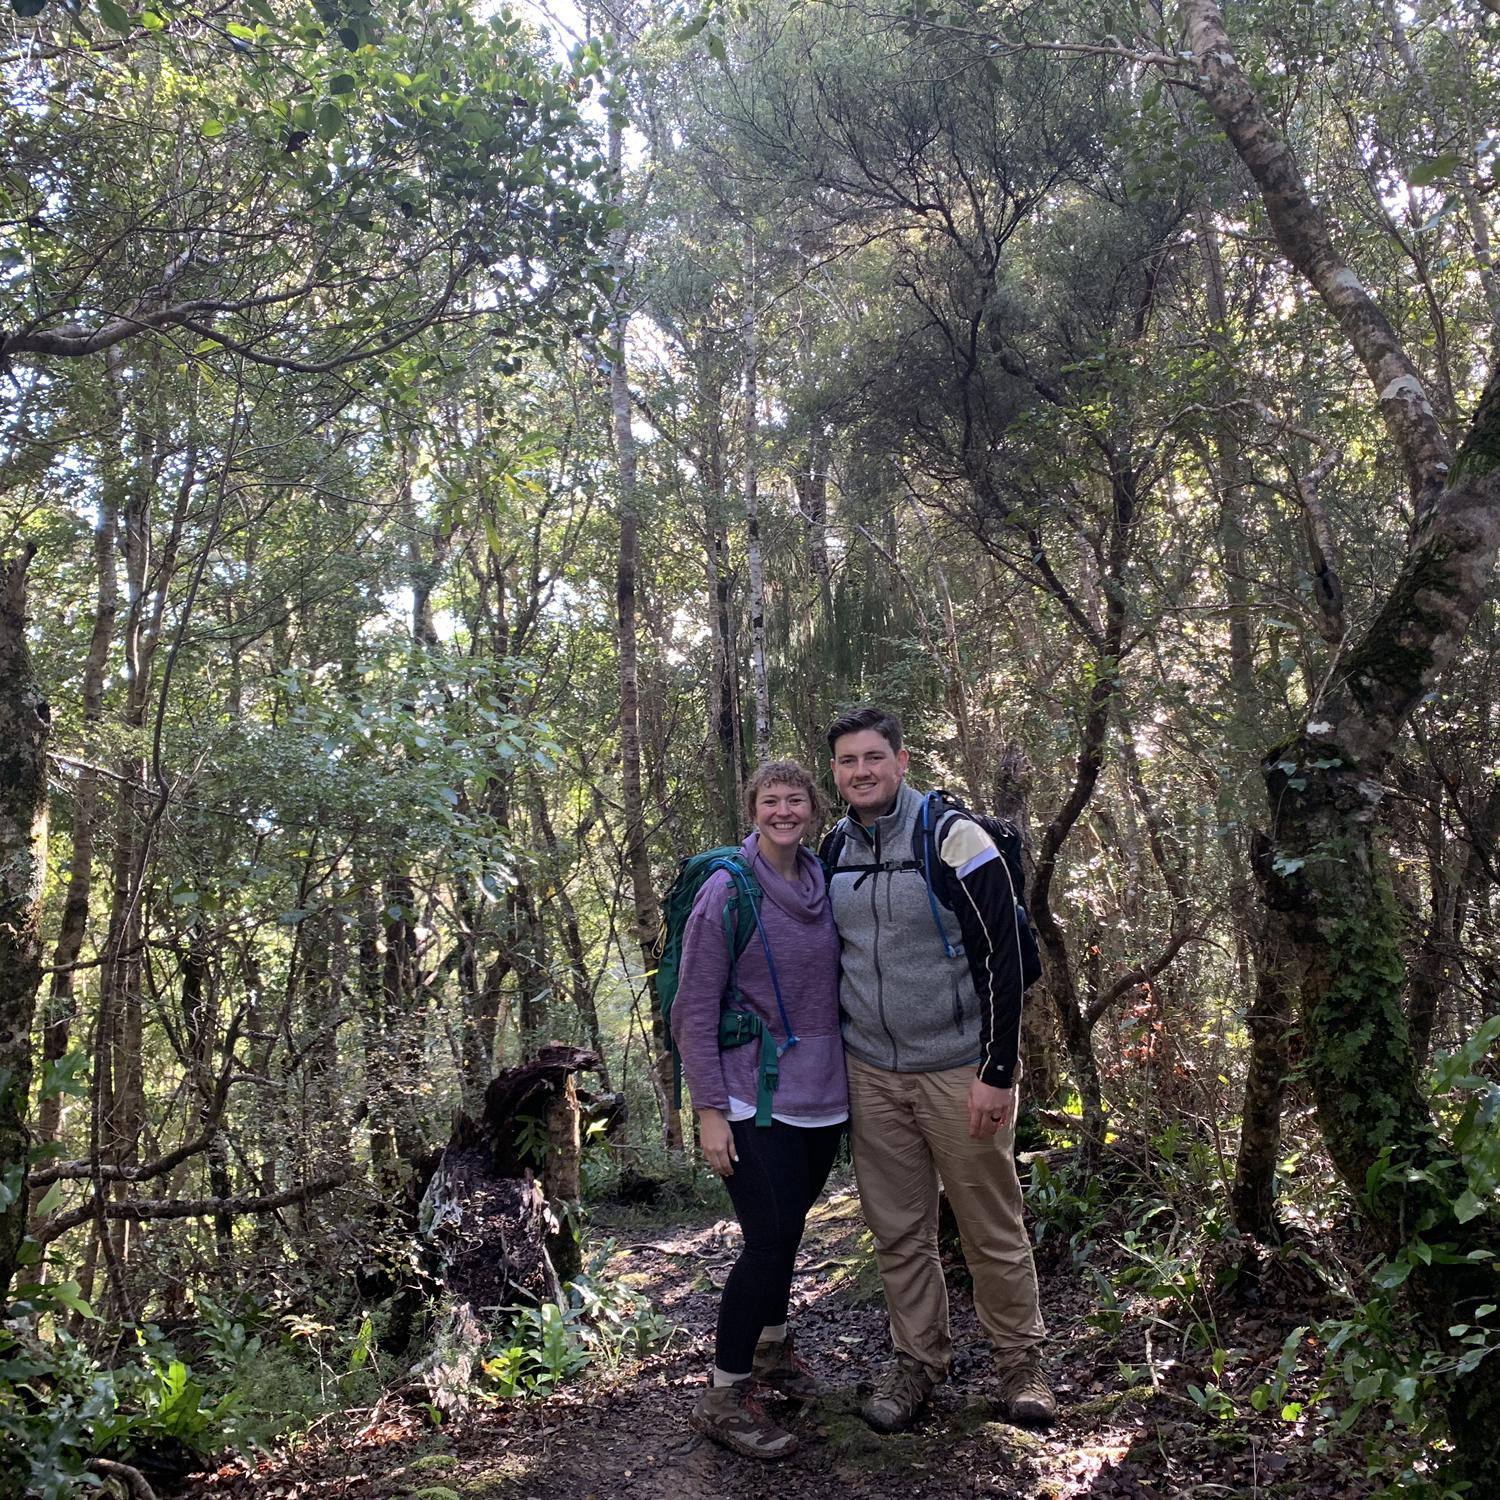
(799, 928)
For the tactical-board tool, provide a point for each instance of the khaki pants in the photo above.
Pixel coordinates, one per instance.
(906, 1130)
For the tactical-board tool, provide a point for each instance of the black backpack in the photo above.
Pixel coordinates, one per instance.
(936, 806)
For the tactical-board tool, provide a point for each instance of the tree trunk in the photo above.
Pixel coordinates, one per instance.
(57, 1024)
(723, 761)
(24, 722)
(638, 854)
(1325, 872)
(750, 468)
(579, 986)
(1253, 1193)
(1009, 797)
(1272, 1014)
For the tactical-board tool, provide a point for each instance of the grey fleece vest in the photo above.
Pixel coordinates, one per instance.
(906, 1005)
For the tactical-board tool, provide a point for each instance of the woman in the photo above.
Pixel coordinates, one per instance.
(788, 977)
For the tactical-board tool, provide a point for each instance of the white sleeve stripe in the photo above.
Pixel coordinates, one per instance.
(983, 858)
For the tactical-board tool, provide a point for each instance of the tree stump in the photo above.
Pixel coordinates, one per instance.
(500, 1207)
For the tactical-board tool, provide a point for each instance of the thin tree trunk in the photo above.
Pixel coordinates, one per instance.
(750, 471)
(579, 988)
(723, 763)
(1270, 1013)
(1270, 1018)
(73, 926)
(1010, 798)
(24, 724)
(1463, 166)
(1429, 974)
(638, 855)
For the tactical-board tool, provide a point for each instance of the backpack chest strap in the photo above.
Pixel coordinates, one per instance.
(885, 867)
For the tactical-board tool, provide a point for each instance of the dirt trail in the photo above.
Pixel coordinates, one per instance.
(622, 1435)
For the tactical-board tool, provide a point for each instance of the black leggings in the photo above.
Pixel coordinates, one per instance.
(781, 1171)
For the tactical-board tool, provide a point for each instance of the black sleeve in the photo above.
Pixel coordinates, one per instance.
(984, 901)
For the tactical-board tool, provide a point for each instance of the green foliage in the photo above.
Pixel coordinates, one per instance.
(600, 1320)
(1068, 1205)
(421, 137)
(59, 1407)
(62, 1405)
(1374, 1372)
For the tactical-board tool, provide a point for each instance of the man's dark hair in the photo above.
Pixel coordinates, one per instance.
(866, 716)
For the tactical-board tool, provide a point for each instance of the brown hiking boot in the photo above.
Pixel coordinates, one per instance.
(778, 1365)
(901, 1391)
(730, 1416)
(1023, 1392)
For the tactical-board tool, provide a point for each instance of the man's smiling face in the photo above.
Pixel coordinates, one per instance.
(867, 771)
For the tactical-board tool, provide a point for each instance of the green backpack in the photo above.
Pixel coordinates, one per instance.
(737, 1026)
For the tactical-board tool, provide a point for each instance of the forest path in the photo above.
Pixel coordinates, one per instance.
(622, 1434)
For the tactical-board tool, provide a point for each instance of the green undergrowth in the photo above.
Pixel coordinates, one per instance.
(244, 1378)
(1181, 1298)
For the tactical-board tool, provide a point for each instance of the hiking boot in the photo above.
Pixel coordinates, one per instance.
(901, 1391)
(778, 1365)
(1023, 1392)
(731, 1417)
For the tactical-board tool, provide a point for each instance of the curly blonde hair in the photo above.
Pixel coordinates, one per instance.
(783, 773)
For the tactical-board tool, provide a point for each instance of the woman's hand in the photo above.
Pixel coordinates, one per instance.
(717, 1141)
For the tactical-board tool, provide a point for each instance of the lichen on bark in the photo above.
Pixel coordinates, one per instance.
(1394, 661)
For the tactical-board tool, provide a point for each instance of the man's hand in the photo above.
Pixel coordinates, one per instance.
(717, 1140)
(990, 1109)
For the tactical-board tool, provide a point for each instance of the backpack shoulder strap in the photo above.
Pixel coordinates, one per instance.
(741, 904)
(832, 847)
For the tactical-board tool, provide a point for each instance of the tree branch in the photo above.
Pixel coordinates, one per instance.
(1304, 239)
(189, 1208)
(1142, 972)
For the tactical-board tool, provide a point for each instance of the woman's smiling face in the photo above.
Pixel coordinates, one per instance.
(783, 814)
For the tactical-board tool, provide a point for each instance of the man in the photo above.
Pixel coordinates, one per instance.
(931, 1032)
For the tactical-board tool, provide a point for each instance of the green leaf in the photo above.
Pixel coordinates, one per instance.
(211, 128)
(330, 121)
(50, 1199)
(152, 21)
(114, 15)
(244, 33)
(68, 1294)
(1434, 169)
(342, 83)
(716, 51)
(1467, 1207)
(1393, 1274)
(26, 9)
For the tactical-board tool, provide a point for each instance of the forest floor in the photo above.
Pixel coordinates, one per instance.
(1128, 1427)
